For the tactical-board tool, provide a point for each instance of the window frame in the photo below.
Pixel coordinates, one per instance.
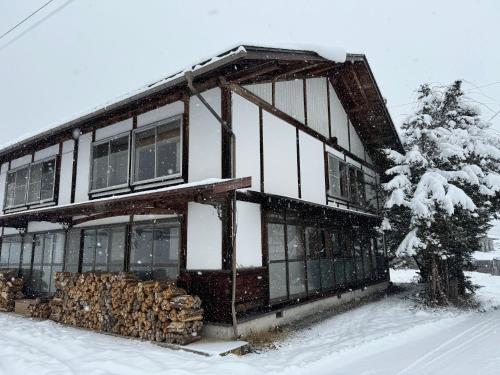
(346, 165)
(26, 193)
(129, 160)
(155, 125)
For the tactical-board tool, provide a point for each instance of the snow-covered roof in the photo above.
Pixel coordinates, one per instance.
(300, 52)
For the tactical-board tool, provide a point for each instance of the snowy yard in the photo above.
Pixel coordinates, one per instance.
(390, 336)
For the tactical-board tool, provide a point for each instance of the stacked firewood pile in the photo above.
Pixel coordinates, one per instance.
(119, 303)
(11, 288)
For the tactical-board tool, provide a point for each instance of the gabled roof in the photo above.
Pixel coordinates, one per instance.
(353, 80)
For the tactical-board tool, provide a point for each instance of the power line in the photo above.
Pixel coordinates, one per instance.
(37, 23)
(25, 19)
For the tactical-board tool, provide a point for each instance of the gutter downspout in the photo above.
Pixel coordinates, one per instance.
(189, 78)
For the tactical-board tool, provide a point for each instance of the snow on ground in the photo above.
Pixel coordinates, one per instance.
(390, 336)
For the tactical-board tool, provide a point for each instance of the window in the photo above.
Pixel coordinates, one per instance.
(154, 252)
(110, 160)
(48, 254)
(72, 253)
(103, 249)
(337, 177)
(10, 255)
(31, 184)
(157, 152)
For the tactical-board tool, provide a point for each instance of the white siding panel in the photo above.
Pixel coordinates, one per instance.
(3, 178)
(334, 152)
(289, 97)
(46, 152)
(280, 157)
(105, 221)
(83, 168)
(262, 90)
(357, 147)
(245, 121)
(161, 113)
(204, 138)
(204, 238)
(8, 231)
(339, 120)
(26, 159)
(41, 226)
(317, 105)
(312, 169)
(66, 173)
(248, 235)
(115, 129)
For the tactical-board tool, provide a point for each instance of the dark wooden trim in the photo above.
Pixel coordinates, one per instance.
(184, 234)
(299, 177)
(76, 143)
(261, 149)
(128, 243)
(327, 174)
(273, 93)
(226, 162)
(185, 139)
(329, 109)
(80, 253)
(265, 252)
(227, 230)
(57, 179)
(304, 94)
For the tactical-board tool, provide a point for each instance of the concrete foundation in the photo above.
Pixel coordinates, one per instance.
(288, 315)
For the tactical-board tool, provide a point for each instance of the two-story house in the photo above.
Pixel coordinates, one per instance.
(277, 149)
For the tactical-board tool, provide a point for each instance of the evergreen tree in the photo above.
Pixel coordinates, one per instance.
(444, 190)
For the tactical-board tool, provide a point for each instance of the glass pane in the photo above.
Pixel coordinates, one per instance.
(48, 247)
(276, 241)
(343, 180)
(361, 187)
(38, 250)
(27, 250)
(350, 272)
(20, 189)
(144, 155)
(353, 186)
(165, 273)
(55, 268)
(334, 175)
(58, 256)
(72, 251)
(117, 249)
(100, 166)
(327, 274)
(168, 149)
(4, 256)
(35, 183)
(277, 280)
(89, 241)
(339, 272)
(11, 188)
(166, 244)
(313, 275)
(295, 242)
(15, 252)
(118, 161)
(101, 249)
(314, 242)
(141, 253)
(45, 279)
(48, 173)
(297, 277)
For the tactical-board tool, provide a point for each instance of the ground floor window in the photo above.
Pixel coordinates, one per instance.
(48, 256)
(307, 259)
(10, 253)
(104, 249)
(154, 250)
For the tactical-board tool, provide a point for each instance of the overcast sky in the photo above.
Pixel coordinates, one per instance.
(76, 54)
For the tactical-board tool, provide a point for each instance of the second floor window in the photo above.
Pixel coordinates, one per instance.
(337, 177)
(157, 152)
(110, 159)
(31, 184)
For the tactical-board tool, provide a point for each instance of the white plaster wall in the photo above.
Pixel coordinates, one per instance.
(66, 172)
(280, 157)
(26, 159)
(312, 169)
(42, 226)
(357, 147)
(204, 238)
(338, 120)
(83, 168)
(115, 129)
(248, 235)
(8, 231)
(46, 152)
(162, 113)
(245, 121)
(317, 105)
(204, 137)
(3, 178)
(262, 90)
(289, 97)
